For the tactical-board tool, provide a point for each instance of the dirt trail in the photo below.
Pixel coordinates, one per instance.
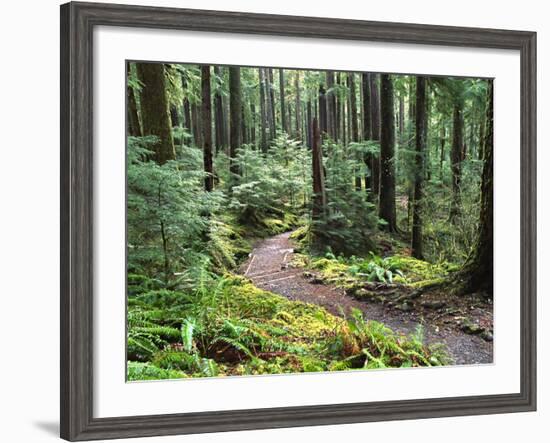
(268, 268)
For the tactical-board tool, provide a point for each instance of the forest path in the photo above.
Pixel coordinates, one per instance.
(268, 268)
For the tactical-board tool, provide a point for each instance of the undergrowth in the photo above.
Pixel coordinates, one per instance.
(227, 326)
(353, 272)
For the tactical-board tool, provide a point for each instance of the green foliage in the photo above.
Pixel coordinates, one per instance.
(189, 317)
(167, 211)
(231, 327)
(350, 221)
(376, 269)
(148, 371)
(270, 187)
(371, 345)
(352, 272)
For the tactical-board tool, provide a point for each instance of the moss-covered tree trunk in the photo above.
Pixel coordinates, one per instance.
(309, 124)
(134, 126)
(154, 109)
(284, 126)
(298, 106)
(367, 131)
(354, 126)
(477, 273)
(420, 142)
(442, 138)
(322, 110)
(219, 118)
(263, 113)
(318, 209)
(186, 105)
(270, 95)
(387, 209)
(331, 105)
(206, 109)
(235, 111)
(375, 128)
(456, 159)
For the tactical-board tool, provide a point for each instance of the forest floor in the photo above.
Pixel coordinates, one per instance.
(445, 317)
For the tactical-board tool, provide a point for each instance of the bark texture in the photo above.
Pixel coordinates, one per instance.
(154, 110)
(420, 142)
(387, 146)
(207, 128)
(235, 111)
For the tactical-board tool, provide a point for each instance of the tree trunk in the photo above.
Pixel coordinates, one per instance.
(367, 123)
(410, 145)
(477, 274)
(253, 125)
(235, 112)
(282, 100)
(309, 124)
(354, 135)
(387, 145)
(207, 128)
(134, 127)
(337, 112)
(174, 117)
(442, 137)
(154, 110)
(298, 106)
(219, 115)
(290, 121)
(263, 114)
(420, 137)
(271, 107)
(186, 106)
(196, 121)
(427, 163)
(331, 105)
(343, 119)
(400, 132)
(456, 158)
(375, 128)
(318, 209)
(482, 124)
(244, 133)
(322, 110)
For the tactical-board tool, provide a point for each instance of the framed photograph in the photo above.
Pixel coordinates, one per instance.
(273, 221)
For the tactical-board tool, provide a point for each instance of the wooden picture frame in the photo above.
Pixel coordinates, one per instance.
(77, 23)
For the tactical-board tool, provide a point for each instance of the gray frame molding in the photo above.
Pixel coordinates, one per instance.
(77, 23)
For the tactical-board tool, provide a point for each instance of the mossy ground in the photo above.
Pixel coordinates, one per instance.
(353, 273)
(231, 327)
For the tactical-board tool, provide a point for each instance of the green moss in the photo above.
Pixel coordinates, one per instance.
(148, 371)
(351, 273)
(425, 284)
(227, 245)
(244, 330)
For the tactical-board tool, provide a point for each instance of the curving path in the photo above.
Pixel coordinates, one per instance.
(268, 268)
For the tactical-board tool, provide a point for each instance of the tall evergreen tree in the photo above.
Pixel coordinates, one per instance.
(375, 132)
(154, 109)
(387, 147)
(477, 273)
(134, 126)
(456, 158)
(420, 141)
(207, 128)
(219, 115)
(319, 202)
(235, 111)
(284, 126)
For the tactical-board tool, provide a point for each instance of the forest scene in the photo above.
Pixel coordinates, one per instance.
(286, 221)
